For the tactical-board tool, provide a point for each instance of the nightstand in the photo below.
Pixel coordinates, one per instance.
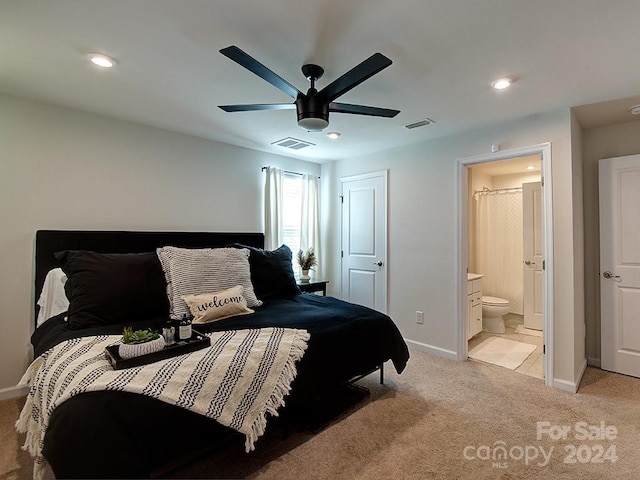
(313, 285)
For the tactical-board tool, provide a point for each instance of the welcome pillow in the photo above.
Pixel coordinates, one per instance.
(209, 307)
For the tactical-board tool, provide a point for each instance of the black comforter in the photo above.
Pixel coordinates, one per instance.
(117, 434)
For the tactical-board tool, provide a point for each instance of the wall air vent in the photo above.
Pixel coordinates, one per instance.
(419, 123)
(293, 143)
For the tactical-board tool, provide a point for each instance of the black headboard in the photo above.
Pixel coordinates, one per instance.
(49, 242)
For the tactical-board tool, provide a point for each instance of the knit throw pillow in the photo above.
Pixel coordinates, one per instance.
(193, 271)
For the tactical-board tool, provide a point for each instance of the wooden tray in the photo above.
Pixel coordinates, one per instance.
(197, 341)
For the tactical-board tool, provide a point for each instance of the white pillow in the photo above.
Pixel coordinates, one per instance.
(208, 307)
(193, 271)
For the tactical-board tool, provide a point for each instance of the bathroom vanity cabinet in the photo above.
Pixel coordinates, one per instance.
(474, 304)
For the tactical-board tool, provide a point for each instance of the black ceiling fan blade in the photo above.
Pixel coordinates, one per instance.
(251, 64)
(354, 77)
(362, 110)
(258, 106)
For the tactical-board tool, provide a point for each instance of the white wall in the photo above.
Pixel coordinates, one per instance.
(422, 270)
(65, 169)
(597, 143)
(579, 326)
(514, 180)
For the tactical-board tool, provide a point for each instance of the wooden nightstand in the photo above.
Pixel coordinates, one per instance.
(313, 285)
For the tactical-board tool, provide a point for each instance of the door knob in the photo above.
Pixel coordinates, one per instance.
(608, 274)
(378, 263)
(528, 262)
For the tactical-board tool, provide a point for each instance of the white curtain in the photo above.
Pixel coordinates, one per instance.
(273, 208)
(499, 246)
(310, 222)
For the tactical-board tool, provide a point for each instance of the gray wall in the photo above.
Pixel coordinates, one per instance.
(422, 206)
(65, 169)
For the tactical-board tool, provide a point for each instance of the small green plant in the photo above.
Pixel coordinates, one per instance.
(129, 336)
(307, 259)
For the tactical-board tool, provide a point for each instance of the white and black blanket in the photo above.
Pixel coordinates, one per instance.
(244, 375)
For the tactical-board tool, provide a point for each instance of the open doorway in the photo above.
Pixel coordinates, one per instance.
(494, 177)
(505, 258)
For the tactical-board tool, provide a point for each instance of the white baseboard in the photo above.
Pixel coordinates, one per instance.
(583, 369)
(593, 362)
(565, 385)
(571, 387)
(441, 352)
(13, 392)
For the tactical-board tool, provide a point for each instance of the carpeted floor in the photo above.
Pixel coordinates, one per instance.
(438, 420)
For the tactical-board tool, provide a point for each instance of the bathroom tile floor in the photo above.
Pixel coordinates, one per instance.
(533, 365)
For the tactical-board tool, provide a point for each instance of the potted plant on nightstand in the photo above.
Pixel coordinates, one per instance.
(307, 260)
(139, 342)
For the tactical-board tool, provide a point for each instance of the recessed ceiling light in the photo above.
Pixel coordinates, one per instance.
(333, 135)
(102, 60)
(530, 167)
(502, 83)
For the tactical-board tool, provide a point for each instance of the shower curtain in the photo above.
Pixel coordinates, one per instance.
(499, 245)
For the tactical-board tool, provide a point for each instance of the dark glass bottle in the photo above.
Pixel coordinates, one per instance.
(184, 328)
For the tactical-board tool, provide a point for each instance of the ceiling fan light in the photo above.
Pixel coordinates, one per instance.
(313, 124)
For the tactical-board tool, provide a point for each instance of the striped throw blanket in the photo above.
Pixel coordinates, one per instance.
(244, 375)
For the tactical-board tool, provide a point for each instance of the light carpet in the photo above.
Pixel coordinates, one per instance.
(528, 331)
(420, 425)
(502, 352)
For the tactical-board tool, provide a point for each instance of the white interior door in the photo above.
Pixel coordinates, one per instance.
(364, 240)
(533, 300)
(620, 264)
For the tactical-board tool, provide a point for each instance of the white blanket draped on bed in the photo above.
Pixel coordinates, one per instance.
(244, 375)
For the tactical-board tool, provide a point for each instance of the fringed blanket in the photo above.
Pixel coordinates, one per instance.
(244, 375)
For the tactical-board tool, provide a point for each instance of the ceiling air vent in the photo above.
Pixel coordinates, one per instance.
(293, 143)
(419, 123)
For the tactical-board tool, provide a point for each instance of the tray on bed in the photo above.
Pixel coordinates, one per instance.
(197, 341)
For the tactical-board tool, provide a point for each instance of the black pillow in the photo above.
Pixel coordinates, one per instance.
(271, 272)
(113, 288)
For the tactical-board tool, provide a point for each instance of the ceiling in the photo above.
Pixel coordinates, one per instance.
(445, 54)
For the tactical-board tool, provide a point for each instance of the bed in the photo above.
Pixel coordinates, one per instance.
(118, 434)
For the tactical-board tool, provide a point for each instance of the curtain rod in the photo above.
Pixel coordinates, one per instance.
(287, 171)
(486, 190)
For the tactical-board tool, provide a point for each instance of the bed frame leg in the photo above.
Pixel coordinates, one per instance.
(382, 374)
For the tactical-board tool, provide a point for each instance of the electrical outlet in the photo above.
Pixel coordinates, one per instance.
(419, 317)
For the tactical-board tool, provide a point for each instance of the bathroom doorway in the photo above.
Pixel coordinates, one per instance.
(493, 215)
(504, 228)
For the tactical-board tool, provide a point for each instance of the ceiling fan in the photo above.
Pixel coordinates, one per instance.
(314, 106)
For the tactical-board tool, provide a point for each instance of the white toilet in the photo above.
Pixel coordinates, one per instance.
(493, 309)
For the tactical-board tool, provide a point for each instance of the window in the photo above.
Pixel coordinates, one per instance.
(291, 210)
